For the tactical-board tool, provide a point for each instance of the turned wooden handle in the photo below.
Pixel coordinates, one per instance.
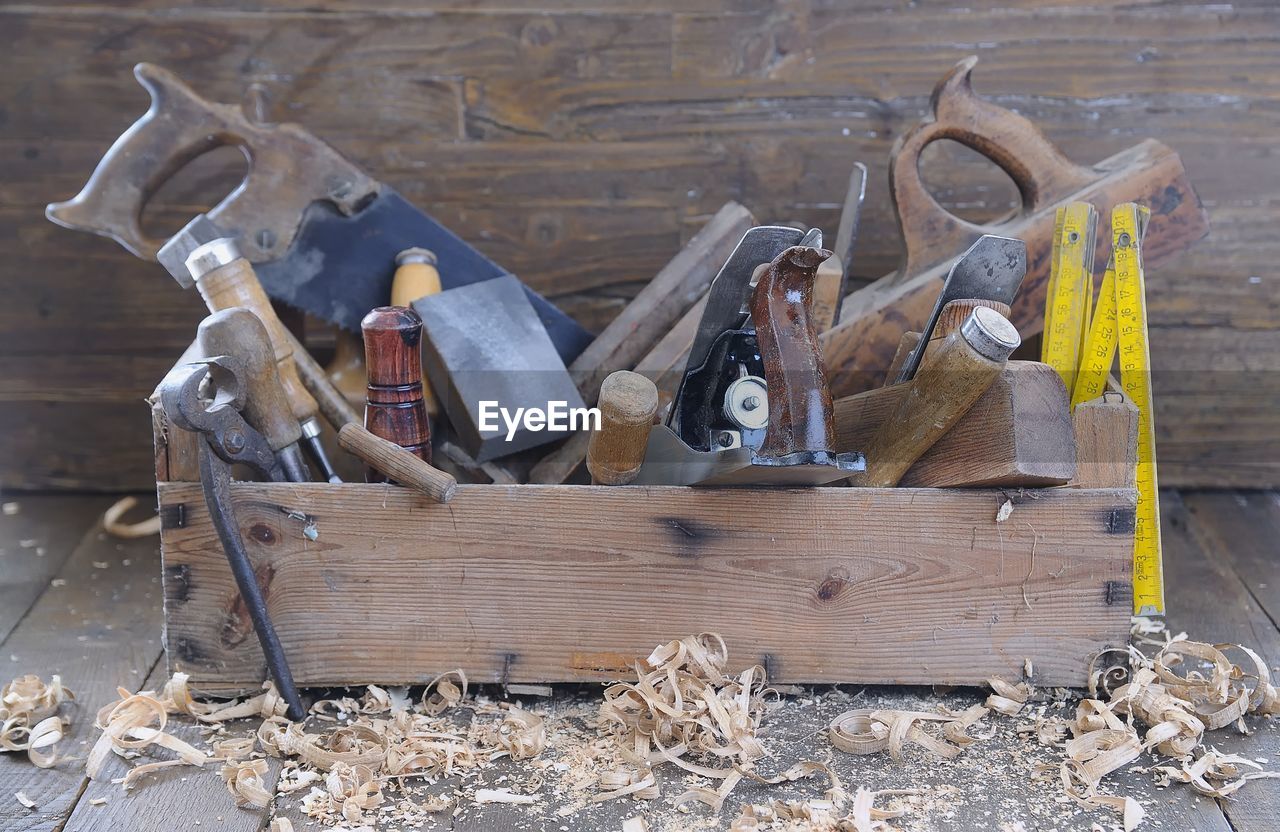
(394, 407)
(951, 378)
(335, 407)
(800, 415)
(956, 312)
(233, 284)
(240, 333)
(1041, 172)
(628, 403)
(396, 464)
(416, 277)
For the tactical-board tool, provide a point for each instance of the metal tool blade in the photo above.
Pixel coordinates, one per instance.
(668, 461)
(847, 231)
(725, 298)
(991, 269)
(339, 267)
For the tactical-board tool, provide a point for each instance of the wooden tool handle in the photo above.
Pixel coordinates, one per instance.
(628, 402)
(800, 415)
(335, 407)
(394, 408)
(240, 333)
(233, 284)
(289, 170)
(950, 379)
(416, 277)
(955, 313)
(396, 464)
(1042, 174)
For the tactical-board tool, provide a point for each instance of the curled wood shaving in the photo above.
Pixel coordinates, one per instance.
(113, 525)
(132, 724)
(29, 718)
(520, 734)
(868, 731)
(1184, 690)
(1215, 774)
(681, 708)
(443, 692)
(27, 803)
(245, 781)
(1008, 699)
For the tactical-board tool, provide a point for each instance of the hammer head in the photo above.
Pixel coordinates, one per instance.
(173, 254)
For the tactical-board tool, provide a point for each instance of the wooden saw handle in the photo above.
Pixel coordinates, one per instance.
(289, 169)
(1039, 170)
(800, 412)
(240, 333)
(226, 280)
(628, 403)
(952, 377)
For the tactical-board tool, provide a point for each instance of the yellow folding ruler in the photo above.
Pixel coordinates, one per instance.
(1120, 324)
(1070, 294)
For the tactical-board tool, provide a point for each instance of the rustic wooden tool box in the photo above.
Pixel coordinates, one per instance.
(548, 583)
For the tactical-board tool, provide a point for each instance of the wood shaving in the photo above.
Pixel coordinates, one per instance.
(683, 707)
(1005, 511)
(868, 731)
(1008, 699)
(1184, 690)
(503, 796)
(245, 780)
(30, 720)
(26, 802)
(281, 825)
(113, 525)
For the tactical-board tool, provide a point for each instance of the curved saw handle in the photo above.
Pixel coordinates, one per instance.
(288, 170)
(801, 417)
(1041, 172)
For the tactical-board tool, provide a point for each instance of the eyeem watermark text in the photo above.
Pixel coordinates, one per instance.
(557, 417)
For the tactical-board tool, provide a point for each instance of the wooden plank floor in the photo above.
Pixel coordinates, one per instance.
(101, 629)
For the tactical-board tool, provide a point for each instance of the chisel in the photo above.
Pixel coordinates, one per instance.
(225, 279)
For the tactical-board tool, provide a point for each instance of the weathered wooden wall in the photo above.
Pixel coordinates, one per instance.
(579, 143)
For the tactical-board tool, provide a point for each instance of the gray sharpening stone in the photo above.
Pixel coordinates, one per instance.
(484, 342)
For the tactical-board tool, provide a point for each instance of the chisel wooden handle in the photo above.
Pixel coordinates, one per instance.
(397, 465)
(225, 279)
(416, 277)
(394, 409)
(800, 413)
(628, 402)
(240, 333)
(955, 313)
(953, 375)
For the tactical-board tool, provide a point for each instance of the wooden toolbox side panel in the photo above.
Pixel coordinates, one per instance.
(371, 583)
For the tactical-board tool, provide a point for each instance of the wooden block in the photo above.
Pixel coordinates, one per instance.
(371, 584)
(1018, 434)
(1106, 431)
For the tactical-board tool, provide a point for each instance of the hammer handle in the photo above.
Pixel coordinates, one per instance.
(397, 464)
(235, 284)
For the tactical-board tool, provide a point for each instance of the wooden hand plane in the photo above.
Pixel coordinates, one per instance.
(753, 407)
